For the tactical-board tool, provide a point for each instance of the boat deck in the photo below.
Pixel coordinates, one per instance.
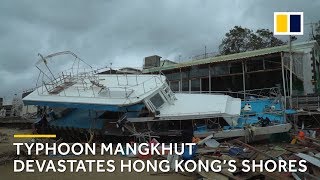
(105, 89)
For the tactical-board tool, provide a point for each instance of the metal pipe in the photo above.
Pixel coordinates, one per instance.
(209, 78)
(93, 91)
(127, 79)
(283, 81)
(44, 74)
(244, 81)
(144, 90)
(137, 79)
(291, 69)
(45, 63)
(180, 88)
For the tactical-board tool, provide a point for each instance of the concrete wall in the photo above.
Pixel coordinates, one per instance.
(307, 72)
(310, 68)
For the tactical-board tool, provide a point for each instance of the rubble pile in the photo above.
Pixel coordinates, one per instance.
(300, 147)
(285, 147)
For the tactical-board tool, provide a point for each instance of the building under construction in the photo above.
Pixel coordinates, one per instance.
(253, 72)
(264, 68)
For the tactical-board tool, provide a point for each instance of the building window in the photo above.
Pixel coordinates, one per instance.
(195, 85)
(184, 73)
(185, 85)
(197, 71)
(174, 85)
(272, 63)
(173, 76)
(254, 65)
(205, 85)
(220, 69)
(157, 100)
(235, 67)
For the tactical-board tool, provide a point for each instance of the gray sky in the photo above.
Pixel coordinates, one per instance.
(124, 31)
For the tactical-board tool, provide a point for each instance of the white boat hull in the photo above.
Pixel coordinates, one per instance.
(254, 131)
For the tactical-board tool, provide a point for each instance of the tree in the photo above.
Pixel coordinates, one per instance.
(241, 39)
(317, 32)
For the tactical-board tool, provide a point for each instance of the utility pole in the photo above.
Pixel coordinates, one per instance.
(205, 52)
(110, 68)
(291, 69)
(312, 24)
(283, 81)
(244, 80)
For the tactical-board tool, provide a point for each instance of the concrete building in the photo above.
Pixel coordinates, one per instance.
(15, 107)
(151, 61)
(264, 68)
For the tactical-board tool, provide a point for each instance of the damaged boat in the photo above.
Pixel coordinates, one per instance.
(82, 101)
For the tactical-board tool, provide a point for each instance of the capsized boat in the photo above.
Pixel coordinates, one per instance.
(81, 100)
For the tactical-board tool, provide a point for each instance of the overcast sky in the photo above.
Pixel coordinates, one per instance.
(123, 32)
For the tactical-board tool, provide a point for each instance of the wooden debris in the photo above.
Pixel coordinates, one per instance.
(257, 150)
(310, 159)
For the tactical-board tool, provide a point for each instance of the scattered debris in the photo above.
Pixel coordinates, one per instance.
(212, 143)
(3, 137)
(306, 147)
(310, 159)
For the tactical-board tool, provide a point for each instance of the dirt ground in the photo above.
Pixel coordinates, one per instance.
(6, 170)
(6, 138)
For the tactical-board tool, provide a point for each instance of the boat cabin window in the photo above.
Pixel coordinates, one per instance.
(157, 100)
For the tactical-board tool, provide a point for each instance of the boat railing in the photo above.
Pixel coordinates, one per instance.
(84, 79)
(51, 82)
(63, 80)
(80, 81)
(129, 89)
